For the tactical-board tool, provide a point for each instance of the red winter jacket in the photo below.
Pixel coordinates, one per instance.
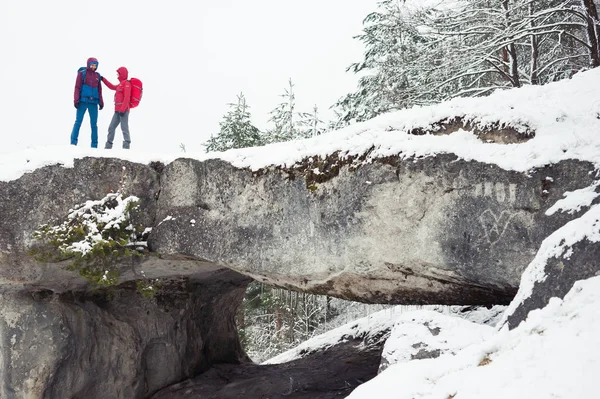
(123, 90)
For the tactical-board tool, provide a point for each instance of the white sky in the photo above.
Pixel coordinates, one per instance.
(194, 57)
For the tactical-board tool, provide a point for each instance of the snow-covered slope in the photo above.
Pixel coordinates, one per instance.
(554, 354)
(558, 245)
(382, 322)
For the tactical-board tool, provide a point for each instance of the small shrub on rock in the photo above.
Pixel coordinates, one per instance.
(98, 237)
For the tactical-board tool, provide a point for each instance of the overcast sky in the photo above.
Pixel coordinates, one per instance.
(193, 56)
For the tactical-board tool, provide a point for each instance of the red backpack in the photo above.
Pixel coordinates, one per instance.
(136, 92)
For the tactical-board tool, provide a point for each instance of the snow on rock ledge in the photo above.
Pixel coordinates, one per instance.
(549, 355)
(569, 254)
(427, 335)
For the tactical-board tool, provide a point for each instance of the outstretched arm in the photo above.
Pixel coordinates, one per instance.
(108, 84)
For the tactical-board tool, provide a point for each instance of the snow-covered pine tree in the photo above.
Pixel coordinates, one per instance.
(237, 130)
(509, 43)
(283, 118)
(392, 41)
(309, 124)
(420, 52)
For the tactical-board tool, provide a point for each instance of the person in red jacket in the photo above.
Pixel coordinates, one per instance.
(121, 116)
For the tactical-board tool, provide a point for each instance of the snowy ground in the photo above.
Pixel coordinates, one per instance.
(554, 354)
(386, 319)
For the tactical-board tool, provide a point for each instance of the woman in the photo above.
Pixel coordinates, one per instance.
(121, 116)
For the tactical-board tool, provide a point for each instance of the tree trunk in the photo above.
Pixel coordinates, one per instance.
(514, 66)
(534, 51)
(592, 32)
(277, 321)
(505, 59)
(511, 49)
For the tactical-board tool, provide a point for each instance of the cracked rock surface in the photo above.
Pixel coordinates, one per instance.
(430, 231)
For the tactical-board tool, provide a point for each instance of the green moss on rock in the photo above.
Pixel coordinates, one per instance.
(98, 239)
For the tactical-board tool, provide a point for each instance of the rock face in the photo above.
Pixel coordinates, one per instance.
(116, 345)
(331, 373)
(47, 194)
(425, 231)
(429, 231)
(560, 275)
(59, 341)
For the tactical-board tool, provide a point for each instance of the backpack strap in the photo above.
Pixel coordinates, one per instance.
(83, 73)
(82, 82)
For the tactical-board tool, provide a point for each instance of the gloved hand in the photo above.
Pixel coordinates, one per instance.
(76, 105)
(101, 106)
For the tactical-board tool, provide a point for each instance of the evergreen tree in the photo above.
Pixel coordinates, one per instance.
(392, 41)
(283, 118)
(425, 52)
(309, 124)
(237, 130)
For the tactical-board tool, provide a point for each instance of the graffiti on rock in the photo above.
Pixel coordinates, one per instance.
(503, 192)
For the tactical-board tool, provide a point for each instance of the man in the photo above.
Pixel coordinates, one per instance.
(122, 107)
(88, 97)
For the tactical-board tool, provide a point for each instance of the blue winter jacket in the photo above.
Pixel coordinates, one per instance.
(87, 86)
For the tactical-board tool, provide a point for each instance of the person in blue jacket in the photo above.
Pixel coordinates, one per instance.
(88, 97)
